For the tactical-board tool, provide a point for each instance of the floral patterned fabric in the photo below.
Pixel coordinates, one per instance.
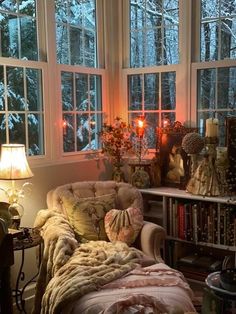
(123, 225)
(86, 215)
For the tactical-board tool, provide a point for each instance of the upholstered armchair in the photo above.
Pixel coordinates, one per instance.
(150, 237)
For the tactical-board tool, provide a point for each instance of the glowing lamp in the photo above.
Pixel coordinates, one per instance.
(14, 166)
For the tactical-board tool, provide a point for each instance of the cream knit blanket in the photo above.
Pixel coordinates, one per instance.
(69, 271)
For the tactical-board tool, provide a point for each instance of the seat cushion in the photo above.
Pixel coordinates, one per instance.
(123, 225)
(86, 215)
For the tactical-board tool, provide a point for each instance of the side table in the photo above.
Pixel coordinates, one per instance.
(30, 238)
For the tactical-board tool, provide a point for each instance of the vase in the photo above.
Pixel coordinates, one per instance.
(140, 178)
(117, 174)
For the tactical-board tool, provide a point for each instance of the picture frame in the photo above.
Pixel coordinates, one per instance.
(175, 163)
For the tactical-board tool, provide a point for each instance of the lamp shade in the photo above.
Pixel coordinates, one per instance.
(13, 163)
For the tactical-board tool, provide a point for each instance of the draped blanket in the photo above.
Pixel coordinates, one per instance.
(69, 271)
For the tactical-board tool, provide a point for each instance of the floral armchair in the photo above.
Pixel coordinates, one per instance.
(151, 235)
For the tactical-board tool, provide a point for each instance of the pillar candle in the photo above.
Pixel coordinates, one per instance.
(212, 127)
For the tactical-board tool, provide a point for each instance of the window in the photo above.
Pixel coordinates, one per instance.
(218, 26)
(152, 95)
(21, 77)
(21, 107)
(76, 32)
(42, 67)
(216, 82)
(154, 44)
(154, 27)
(18, 23)
(81, 94)
(82, 117)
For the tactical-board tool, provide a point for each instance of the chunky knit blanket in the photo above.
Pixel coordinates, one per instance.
(69, 270)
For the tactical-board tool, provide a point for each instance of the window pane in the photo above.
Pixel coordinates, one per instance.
(2, 128)
(135, 92)
(228, 40)
(154, 48)
(151, 91)
(67, 91)
(82, 100)
(209, 41)
(83, 132)
(218, 25)
(9, 36)
(87, 114)
(34, 89)
(76, 32)
(154, 32)
(76, 44)
(16, 125)
(137, 47)
(171, 46)
(19, 30)
(68, 133)
(216, 97)
(35, 130)
(137, 14)
(96, 127)
(207, 89)
(24, 109)
(226, 88)
(62, 44)
(28, 38)
(152, 123)
(89, 48)
(168, 92)
(95, 93)
(15, 89)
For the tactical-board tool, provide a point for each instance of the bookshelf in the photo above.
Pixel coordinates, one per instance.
(201, 230)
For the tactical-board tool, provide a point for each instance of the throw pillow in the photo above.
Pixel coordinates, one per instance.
(86, 215)
(123, 225)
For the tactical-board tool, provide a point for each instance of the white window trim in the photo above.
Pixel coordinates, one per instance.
(182, 69)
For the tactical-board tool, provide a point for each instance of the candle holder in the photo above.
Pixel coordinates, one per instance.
(211, 144)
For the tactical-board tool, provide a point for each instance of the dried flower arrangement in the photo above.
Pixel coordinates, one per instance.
(116, 140)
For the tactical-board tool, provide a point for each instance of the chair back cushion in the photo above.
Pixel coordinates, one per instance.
(126, 195)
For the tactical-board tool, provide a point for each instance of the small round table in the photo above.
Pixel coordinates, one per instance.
(29, 238)
(215, 298)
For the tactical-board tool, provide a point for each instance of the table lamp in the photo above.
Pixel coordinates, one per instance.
(14, 166)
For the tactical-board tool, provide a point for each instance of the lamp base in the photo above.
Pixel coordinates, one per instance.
(16, 212)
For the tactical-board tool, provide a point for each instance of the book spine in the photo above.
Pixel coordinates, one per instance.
(181, 221)
(195, 228)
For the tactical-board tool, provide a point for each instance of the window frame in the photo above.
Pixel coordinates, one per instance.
(182, 69)
(51, 82)
(196, 64)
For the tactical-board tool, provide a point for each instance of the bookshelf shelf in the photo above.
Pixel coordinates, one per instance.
(194, 223)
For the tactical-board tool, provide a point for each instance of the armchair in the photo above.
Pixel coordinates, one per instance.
(102, 277)
(151, 235)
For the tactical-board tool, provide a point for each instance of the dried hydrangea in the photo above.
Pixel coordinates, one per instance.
(192, 143)
(116, 140)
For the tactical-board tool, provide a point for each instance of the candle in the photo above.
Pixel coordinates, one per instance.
(212, 127)
(140, 127)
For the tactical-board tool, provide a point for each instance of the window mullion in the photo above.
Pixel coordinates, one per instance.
(26, 110)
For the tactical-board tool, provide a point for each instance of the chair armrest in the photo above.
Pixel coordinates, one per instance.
(151, 238)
